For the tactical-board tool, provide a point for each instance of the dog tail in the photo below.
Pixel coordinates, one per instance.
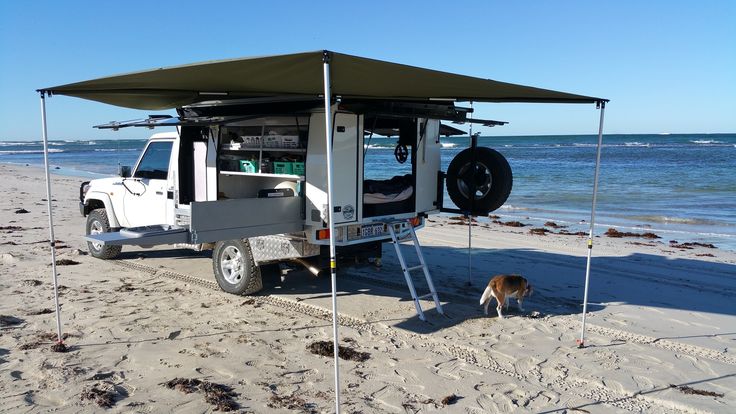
(486, 295)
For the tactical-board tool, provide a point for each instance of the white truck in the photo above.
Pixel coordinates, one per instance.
(248, 180)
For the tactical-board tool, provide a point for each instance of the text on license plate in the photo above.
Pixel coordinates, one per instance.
(371, 230)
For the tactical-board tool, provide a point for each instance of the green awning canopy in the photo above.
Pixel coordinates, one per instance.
(299, 74)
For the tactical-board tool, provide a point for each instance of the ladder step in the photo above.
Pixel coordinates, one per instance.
(428, 295)
(414, 268)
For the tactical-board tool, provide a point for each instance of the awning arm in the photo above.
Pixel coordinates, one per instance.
(52, 239)
(602, 106)
(169, 121)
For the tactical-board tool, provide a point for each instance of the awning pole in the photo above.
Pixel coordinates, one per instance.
(602, 104)
(52, 239)
(473, 145)
(330, 211)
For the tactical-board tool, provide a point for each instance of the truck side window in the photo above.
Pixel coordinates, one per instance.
(155, 161)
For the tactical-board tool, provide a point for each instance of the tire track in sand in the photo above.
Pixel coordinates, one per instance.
(597, 394)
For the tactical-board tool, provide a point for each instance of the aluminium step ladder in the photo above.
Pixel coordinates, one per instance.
(407, 270)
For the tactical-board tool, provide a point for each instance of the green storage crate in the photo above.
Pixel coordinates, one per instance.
(247, 166)
(297, 168)
(282, 167)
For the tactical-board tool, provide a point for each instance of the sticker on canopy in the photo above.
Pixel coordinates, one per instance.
(348, 212)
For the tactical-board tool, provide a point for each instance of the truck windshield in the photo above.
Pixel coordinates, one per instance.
(155, 161)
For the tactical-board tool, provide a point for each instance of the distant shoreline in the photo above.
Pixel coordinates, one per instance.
(605, 134)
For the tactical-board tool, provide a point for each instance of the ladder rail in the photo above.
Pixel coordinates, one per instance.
(425, 268)
(404, 269)
(407, 270)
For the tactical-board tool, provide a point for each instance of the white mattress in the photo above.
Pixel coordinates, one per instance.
(379, 198)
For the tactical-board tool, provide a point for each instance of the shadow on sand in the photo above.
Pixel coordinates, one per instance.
(638, 279)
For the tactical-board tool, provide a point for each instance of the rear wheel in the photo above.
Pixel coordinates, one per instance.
(234, 268)
(98, 223)
(481, 188)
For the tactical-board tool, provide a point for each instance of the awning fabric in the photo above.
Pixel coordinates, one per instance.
(299, 74)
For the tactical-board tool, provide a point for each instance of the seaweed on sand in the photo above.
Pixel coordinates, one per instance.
(291, 402)
(694, 391)
(611, 232)
(327, 348)
(101, 394)
(218, 395)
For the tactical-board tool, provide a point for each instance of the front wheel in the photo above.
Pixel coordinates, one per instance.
(98, 223)
(234, 268)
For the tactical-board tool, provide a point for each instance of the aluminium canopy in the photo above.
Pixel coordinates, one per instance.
(299, 74)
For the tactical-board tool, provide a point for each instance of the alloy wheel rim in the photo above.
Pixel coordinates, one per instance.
(96, 228)
(232, 265)
(482, 177)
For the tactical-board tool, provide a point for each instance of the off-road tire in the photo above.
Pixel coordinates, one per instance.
(236, 274)
(493, 179)
(97, 221)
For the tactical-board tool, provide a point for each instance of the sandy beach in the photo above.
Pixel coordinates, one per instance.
(152, 332)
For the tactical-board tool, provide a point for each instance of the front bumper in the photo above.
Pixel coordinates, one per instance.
(82, 209)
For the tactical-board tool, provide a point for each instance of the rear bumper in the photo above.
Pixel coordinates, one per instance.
(82, 209)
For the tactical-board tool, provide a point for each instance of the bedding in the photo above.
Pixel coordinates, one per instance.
(396, 189)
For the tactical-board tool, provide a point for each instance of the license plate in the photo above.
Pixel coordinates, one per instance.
(371, 230)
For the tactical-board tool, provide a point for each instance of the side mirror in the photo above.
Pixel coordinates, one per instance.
(124, 171)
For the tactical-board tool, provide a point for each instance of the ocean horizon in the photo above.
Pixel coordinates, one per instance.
(679, 186)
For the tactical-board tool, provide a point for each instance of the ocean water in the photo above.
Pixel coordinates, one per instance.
(680, 186)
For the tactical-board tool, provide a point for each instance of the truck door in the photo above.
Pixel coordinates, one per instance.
(144, 203)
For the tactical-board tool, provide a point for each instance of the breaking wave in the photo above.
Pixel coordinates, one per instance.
(16, 144)
(706, 141)
(30, 151)
(673, 220)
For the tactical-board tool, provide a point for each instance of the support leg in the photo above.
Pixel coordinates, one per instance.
(52, 239)
(581, 341)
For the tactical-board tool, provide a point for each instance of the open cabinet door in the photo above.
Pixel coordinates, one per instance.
(428, 159)
(347, 164)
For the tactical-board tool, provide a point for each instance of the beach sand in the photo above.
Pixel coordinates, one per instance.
(661, 329)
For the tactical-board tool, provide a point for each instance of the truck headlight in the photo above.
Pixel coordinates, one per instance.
(83, 190)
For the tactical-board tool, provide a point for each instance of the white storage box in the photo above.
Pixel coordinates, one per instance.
(290, 141)
(251, 141)
(272, 141)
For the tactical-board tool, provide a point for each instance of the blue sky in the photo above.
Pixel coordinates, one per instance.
(667, 66)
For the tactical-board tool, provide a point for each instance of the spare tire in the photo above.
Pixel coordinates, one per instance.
(491, 178)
